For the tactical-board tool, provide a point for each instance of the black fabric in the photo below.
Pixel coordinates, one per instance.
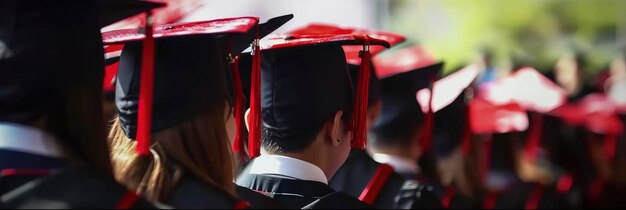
(190, 74)
(414, 195)
(81, 189)
(337, 200)
(518, 196)
(20, 161)
(257, 200)
(36, 41)
(359, 169)
(449, 127)
(401, 114)
(302, 87)
(191, 193)
(373, 93)
(290, 192)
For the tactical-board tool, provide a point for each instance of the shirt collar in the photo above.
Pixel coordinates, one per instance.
(287, 166)
(21, 138)
(399, 164)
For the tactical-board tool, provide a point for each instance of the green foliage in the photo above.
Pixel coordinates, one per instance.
(534, 31)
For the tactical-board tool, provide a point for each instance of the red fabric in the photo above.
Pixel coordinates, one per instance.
(239, 107)
(490, 200)
(146, 92)
(489, 118)
(174, 11)
(110, 71)
(129, 199)
(278, 41)
(24, 172)
(403, 60)
(241, 205)
(427, 130)
(373, 188)
(535, 197)
(254, 136)
(352, 52)
(565, 183)
(209, 27)
(534, 137)
(447, 197)
(610, 146)
(359, 132)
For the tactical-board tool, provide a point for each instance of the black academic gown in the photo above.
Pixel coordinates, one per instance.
(520, 196)
(295, 193)
(397, 192)
(73, 188)
(257, 200)
(191, 193)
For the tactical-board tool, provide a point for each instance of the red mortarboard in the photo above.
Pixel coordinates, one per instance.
(406, 59)
(302, 38)
(527, 87)
(490, 118)
(352, 52)
(447, 89)
(241, 32)
(174, 11)
(402, 74)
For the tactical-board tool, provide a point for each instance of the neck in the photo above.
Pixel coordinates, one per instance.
(313, 154)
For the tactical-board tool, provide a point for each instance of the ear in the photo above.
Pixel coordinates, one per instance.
(246, 117)
(334, 128)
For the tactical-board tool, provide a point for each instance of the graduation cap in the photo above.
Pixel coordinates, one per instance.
(112, 11)
(305, 81)
(33, 59)
(402, 75)
(534, 92)
(449, 97)
(188, 74)
(489, 118)
(596, 113)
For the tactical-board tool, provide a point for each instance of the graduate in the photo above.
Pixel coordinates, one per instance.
(51, 128)
(307, 116)
(360, 172)
(180, 153)
(398, 135)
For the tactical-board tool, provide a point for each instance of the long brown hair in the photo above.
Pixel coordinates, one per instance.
(198, 147)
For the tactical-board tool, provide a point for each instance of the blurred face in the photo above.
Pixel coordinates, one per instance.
(231, 126)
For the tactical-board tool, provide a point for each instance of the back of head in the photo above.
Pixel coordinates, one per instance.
(302, 88)
(192, 96)
(51, 63)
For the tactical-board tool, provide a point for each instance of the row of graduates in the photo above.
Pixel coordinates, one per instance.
(180, 108)
(180, 94)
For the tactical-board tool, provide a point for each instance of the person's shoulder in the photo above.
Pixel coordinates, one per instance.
(256, 199)
(193, 193)
(413, 195)
(337, 200)
(74, 188)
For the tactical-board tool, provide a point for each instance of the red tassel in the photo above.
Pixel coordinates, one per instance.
(564, 184)
(239, 106)
(241, 205)
(373, 188)
(359, 112)
(534, 197)
(254, 138)
(447, 197)
(610, 145)
(128, 200)
(534, 137)
(490, 200)
(427, 128)
(144, 119)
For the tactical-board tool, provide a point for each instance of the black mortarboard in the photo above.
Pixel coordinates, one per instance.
(401, 113)
(305, 80)
(37, 39)
(190, 69)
